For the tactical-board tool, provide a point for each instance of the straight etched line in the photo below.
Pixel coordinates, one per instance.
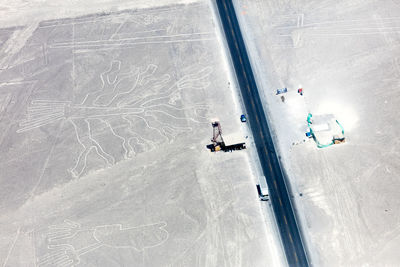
(118, 41)
(47, 161)
(12, 246)
(132, 45)
(73, 57)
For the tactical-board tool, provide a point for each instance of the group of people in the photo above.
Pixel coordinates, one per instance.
(284, 90)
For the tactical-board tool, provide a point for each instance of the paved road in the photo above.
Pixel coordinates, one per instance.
(285, 216)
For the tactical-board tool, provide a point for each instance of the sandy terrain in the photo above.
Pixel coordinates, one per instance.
(345, 55)
(105, 120)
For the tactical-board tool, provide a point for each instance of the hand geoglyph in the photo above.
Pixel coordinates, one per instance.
(68, 242)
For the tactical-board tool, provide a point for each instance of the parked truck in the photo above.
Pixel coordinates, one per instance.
(262, 189)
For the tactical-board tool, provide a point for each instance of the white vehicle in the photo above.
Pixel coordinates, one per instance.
(262, 189)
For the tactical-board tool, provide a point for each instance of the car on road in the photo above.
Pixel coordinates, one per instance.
(243, 118)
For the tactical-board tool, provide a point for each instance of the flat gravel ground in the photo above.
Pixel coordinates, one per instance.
(345, 56)
(104, 124)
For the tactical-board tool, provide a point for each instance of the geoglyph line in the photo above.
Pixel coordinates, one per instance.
(119, 28)
(109, 17)
(90, 144)
(42, 112)
(12, 247)
(42, 172)
(84, 50)
(137, 33)
(126, 155)
(147, 124)
(185, 82)
(4, 102)
(124, 40)
(99, 47)
(63, 253)
(37, 124)
(106, 105)
(103, 76)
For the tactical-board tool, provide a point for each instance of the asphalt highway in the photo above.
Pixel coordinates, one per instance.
(279, 195)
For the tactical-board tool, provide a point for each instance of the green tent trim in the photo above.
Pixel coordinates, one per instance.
(319, 145)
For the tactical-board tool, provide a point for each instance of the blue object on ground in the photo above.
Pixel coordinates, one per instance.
(243, 118)
(281, 91)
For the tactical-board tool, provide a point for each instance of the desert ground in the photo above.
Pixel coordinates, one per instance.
(345, 56)
(106, 111)
(105, 114)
